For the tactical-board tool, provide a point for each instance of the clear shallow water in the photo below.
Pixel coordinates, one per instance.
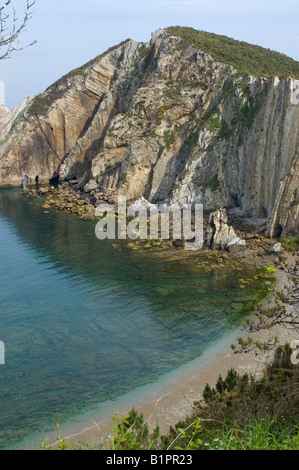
(83, 323)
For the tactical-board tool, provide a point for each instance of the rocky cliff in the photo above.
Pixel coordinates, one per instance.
(165, 120)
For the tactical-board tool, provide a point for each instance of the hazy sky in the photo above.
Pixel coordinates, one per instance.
(71, 32)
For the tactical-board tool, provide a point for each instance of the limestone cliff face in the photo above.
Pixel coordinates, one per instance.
(165, 122)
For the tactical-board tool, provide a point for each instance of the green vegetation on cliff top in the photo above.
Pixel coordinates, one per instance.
(247, 58)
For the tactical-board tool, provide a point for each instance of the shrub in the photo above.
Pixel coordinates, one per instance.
(169, 138)
(242, 412)
(132, 433)
(290, 243)
(214, 183)
(225, 132)
(246, 58)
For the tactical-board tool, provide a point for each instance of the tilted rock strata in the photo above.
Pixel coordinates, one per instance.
(167, 123)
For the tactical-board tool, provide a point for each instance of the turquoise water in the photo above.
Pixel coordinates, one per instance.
(83, 322)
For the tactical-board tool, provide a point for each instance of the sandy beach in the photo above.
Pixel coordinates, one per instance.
(176, 401)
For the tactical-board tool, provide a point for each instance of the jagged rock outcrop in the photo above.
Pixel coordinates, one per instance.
(218, 235)
(9, 116)
(165, 121)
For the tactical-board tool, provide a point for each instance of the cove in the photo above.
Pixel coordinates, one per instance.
(84, 322)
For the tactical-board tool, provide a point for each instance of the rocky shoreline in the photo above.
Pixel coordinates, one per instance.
(67, 199)
(274, 322)
(218, 234)
(222, 232)
(176, 403)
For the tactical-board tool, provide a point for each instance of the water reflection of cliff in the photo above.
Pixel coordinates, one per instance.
(84, 322)
(71, 245)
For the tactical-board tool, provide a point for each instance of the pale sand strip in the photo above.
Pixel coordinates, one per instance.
(174, 406)
(176, 403)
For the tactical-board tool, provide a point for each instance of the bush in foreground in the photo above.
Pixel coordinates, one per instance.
(239, 413)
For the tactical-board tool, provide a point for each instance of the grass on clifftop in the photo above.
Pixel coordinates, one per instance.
(247, 58)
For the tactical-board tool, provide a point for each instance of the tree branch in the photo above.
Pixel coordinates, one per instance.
(11, 28)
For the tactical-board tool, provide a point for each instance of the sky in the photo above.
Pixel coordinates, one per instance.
(71, 32)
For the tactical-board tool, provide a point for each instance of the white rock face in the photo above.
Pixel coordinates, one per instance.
(277, 248)
(141, 204)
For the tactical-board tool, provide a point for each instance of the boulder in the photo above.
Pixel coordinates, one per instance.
(277, 248)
